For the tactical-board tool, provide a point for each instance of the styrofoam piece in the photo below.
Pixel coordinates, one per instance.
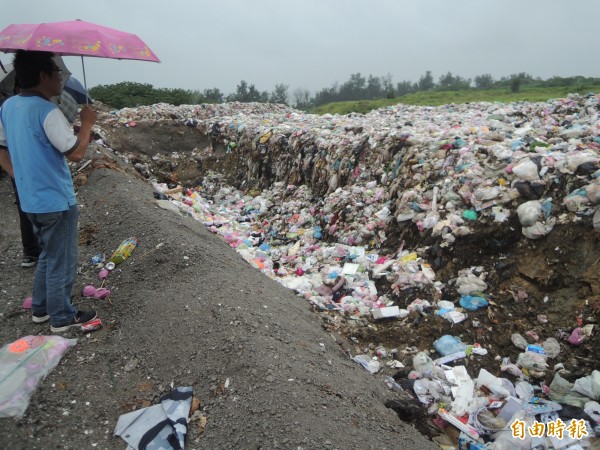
(387, 312)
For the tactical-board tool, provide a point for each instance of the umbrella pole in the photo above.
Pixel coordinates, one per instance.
(87, 98)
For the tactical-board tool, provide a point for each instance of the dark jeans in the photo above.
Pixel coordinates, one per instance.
(57, 266)
(28, 238)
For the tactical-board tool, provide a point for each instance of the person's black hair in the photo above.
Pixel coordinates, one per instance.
(29, 64)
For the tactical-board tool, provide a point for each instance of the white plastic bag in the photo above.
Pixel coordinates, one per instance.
(526, 170)
(529, 212)
(539, 229)
(372, 365)
(551, 347)
(589, 386)
(24, 363)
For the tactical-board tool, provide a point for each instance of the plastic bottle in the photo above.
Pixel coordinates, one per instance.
(124, 250)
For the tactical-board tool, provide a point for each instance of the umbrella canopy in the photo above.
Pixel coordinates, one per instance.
(75, 38)
(74, 87)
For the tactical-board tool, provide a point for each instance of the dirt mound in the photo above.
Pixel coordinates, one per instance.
(185, 310)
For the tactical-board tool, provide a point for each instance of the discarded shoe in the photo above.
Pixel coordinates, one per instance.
(80, 318)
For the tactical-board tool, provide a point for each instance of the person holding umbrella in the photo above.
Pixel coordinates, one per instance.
(39, 140)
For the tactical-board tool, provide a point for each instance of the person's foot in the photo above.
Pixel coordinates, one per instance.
(29, 261)
(40, 317)
(80, 318)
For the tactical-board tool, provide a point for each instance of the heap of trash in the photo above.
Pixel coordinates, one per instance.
(440, 168)
(317, 207)
(284, 240)
(337, 184)
(286, 245)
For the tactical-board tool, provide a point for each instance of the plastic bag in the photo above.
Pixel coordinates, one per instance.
(589, 386)
(493, 383)
(501, 151)
(519, 341)
(532, 361)
(539, 229)
(447, 345)
(529, 212)
(580, 335)
(596, 220)
(592, 192)
(524, 391)
(464, 394)
(526, 170)
(469, 284)
(23, 365)
(372, 365)
(473, 303)
(593, 410)
(561, 392)
(422, 363)
(551, 347)
(576, 201)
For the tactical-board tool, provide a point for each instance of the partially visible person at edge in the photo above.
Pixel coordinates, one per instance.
(38, 139)
(31, 248)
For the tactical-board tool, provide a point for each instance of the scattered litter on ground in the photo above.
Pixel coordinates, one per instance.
(159, 426)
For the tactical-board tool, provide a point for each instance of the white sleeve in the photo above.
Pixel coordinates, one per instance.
(59, 132)
(2, 135)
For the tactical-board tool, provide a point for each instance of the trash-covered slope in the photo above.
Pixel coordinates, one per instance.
(184, 310)
(426, 209)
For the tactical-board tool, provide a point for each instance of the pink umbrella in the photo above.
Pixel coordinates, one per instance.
(75, 38)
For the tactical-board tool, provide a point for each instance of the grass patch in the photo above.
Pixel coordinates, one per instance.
(437, 98)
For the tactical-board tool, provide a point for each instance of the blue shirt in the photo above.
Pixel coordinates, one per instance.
(38, 138)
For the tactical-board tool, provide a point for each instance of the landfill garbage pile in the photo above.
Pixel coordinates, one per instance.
(287, 245)
(409, 223)
(440, 168)
(200, 115)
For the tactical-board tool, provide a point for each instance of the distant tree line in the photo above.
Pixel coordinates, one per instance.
(135, 94)
(358, 87)
(130, 94)
(372, 87)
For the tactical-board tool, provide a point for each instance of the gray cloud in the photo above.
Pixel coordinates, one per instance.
(314, 43)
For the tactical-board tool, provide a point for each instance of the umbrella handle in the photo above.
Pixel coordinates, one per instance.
(87, 98)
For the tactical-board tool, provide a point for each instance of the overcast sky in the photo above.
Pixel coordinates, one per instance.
(314, 43)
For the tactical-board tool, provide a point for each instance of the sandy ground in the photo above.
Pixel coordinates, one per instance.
(187, 311)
